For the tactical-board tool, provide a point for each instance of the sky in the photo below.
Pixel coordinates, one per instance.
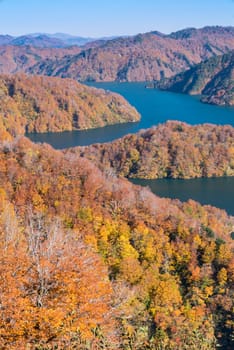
(99, 18)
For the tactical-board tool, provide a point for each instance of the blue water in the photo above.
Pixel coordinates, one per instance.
(158, 106)
(155, 107)
(218, 192)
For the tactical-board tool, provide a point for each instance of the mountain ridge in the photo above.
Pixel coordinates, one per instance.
(143, 57)
(46, 40)
(213, 79)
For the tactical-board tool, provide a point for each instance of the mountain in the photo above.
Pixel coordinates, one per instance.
(78, 40)
(15, 59)
(50, 40)
(41, 41)
(37, 40)
(45, 40)
(144, 57)
(42, 104)
(6, 39)
(213, 79)
(170, 150)
(88, 259)
(193, 33)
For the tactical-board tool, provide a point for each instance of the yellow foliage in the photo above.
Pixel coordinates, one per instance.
(197, 240)
(222, 276)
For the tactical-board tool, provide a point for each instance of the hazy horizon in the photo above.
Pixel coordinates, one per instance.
(109, 36)
(103, 19)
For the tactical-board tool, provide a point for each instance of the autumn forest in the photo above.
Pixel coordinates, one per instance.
(89, 261)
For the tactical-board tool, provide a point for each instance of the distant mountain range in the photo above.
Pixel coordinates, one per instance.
(43, 40)
(213, 79)
(143, 57)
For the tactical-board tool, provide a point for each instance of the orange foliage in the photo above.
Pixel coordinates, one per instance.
(42, 104)
(88, 260)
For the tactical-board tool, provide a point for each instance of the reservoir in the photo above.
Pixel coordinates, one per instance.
(157, 107)
(218, 192)
(154, 106)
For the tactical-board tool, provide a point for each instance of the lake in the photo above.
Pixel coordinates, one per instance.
(156, 107)
(218, 192)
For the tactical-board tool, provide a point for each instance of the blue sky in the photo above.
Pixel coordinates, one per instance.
(98, 18)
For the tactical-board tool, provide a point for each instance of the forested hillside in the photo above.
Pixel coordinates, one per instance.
(89, 261)
(41, 104)
(143, 57)
(170, 150)
(15, 59)
(213, 79)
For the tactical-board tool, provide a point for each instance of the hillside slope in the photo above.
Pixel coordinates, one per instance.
(213, 79)
(143, 57)
(88, 259)
(170, 150)
(42, 104)
(15, 59)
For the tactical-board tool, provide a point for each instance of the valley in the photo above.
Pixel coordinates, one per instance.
(116, 201)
